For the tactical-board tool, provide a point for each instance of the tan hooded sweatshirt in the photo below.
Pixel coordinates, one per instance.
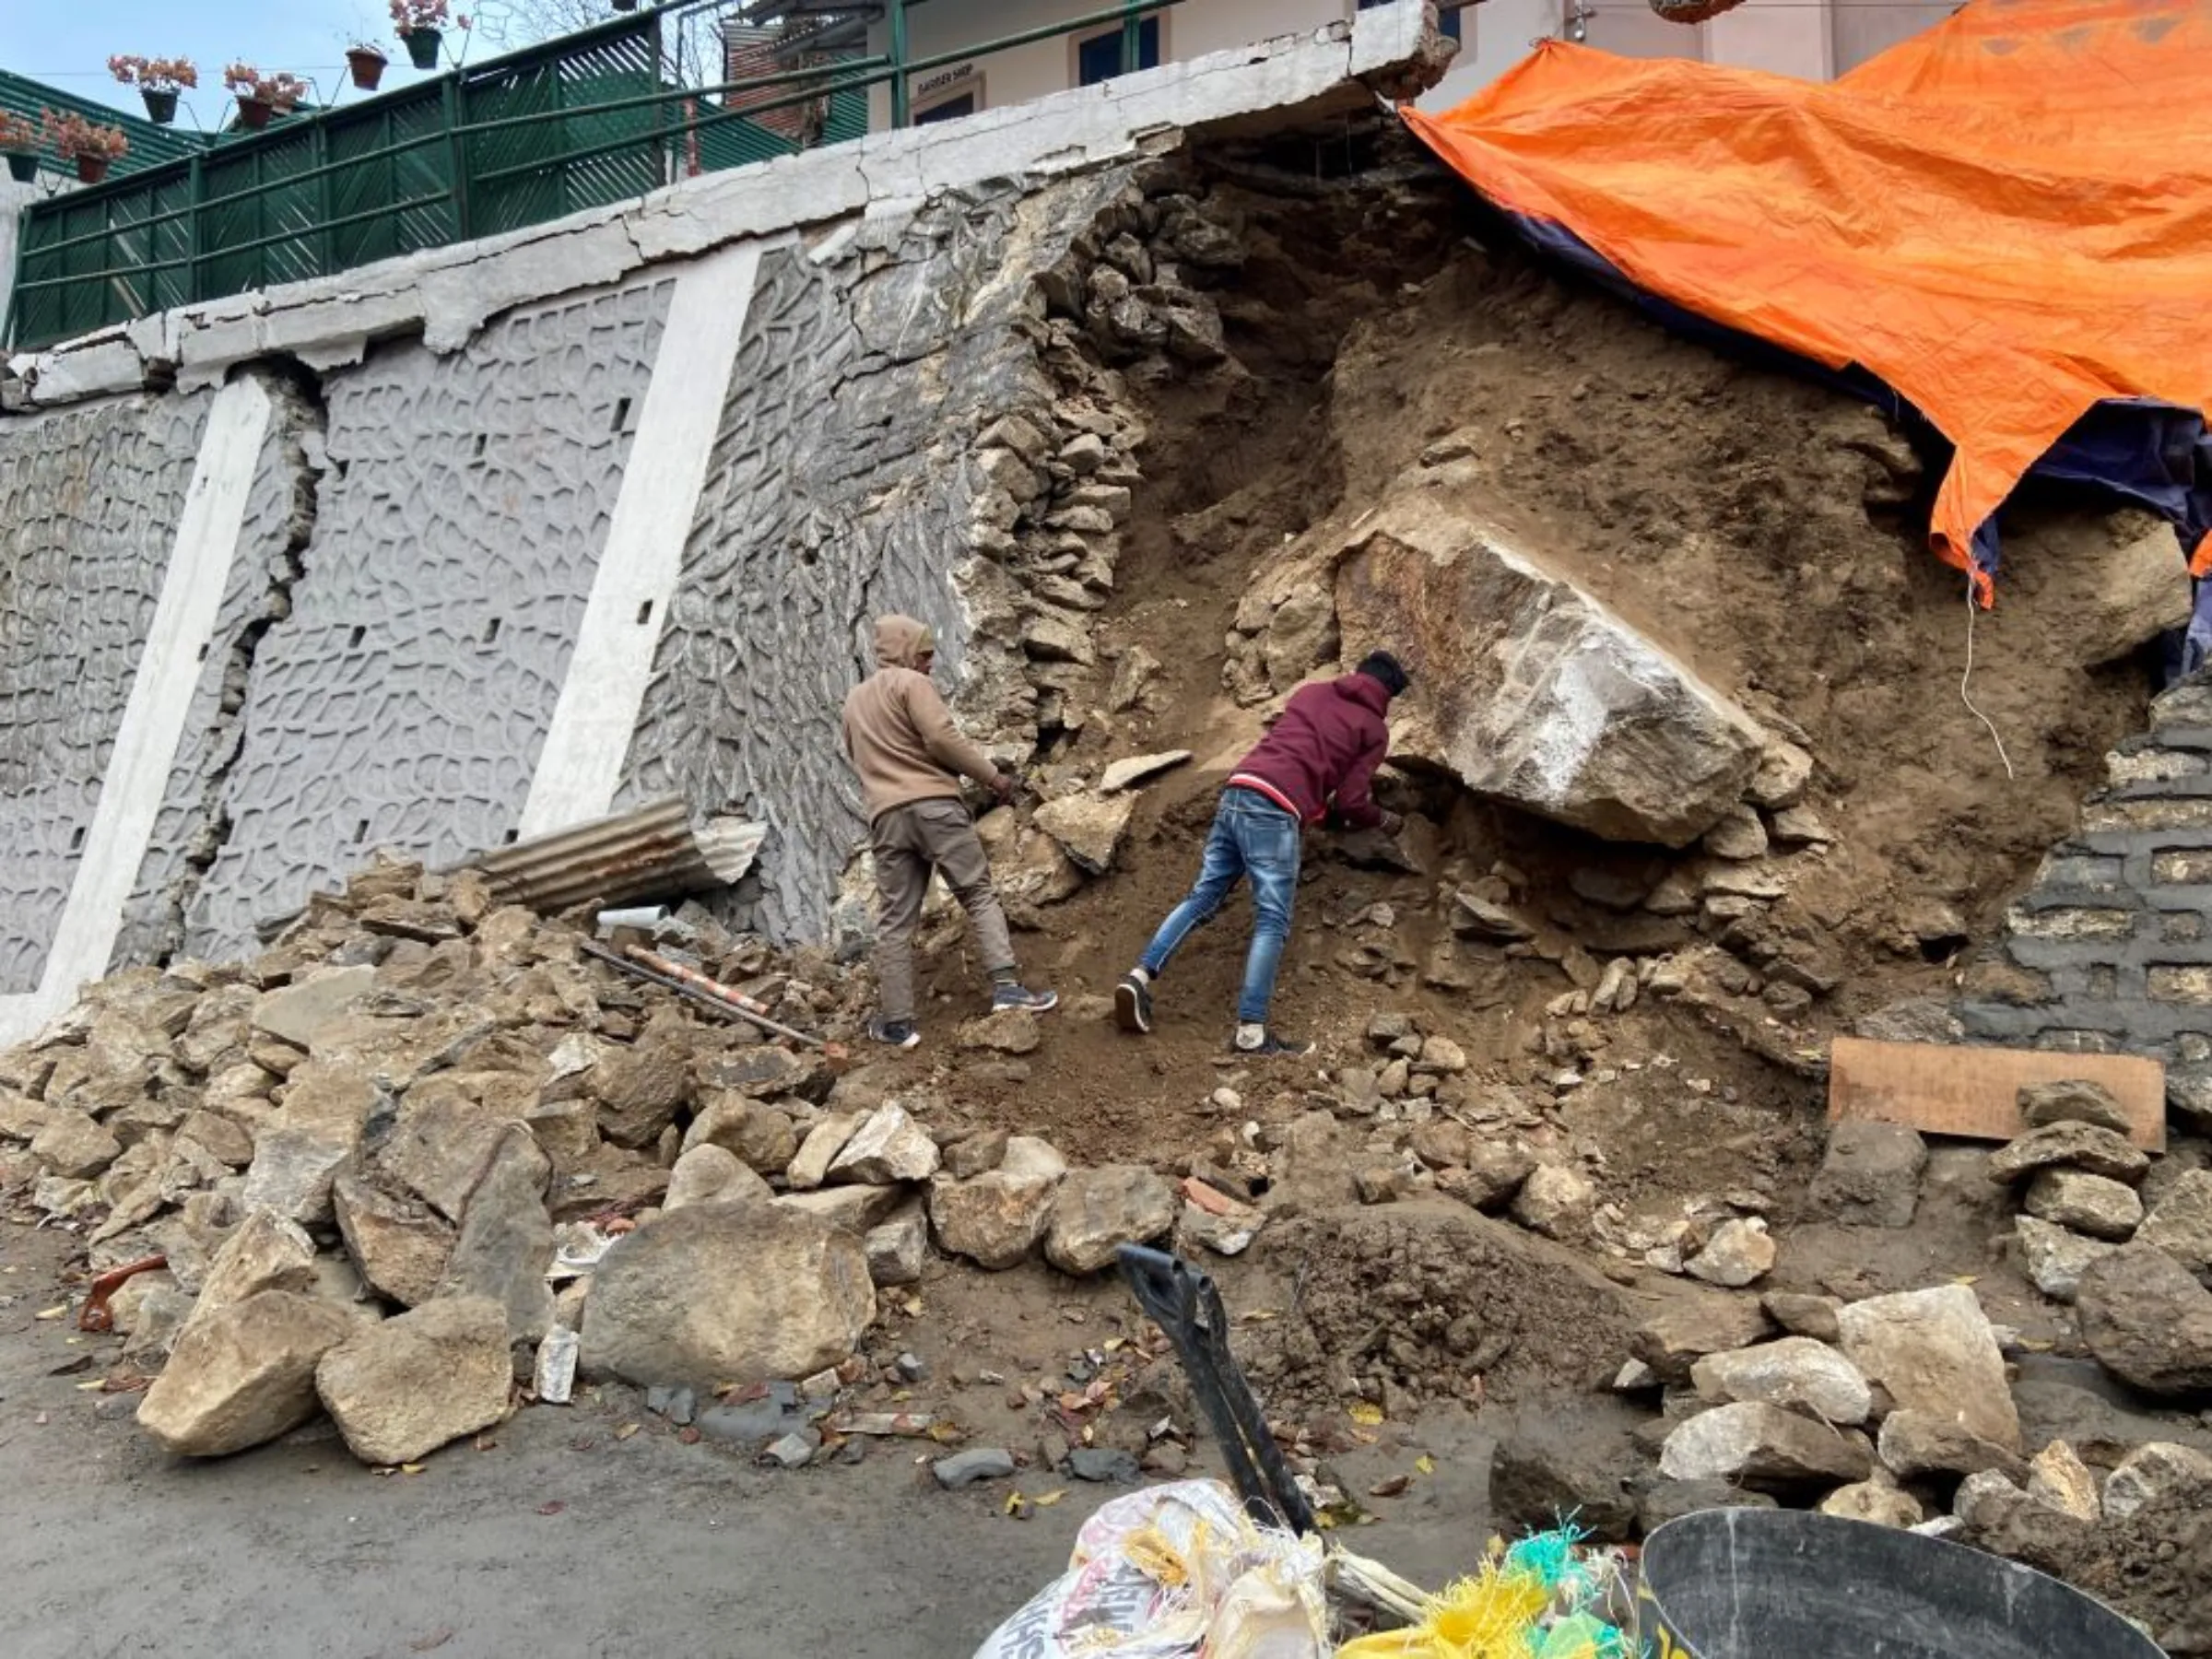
(898, 733)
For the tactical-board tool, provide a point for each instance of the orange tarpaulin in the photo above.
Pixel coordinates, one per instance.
(2008, 218)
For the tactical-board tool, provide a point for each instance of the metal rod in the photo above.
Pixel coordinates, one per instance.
(451, 112)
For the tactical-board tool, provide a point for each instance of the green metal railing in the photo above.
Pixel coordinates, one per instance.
(581, 121)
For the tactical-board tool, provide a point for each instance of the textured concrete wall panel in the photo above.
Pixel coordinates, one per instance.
(90, 499)
(458, 524)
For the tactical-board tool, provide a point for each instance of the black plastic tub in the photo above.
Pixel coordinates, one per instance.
(1741, 1584)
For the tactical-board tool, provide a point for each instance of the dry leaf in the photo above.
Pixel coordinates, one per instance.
(53, 1312)
(1393, 1486)
(627, 1429)
(1425, 1463)
(410, 1468)
(1046, 1500)
(1366, 1414)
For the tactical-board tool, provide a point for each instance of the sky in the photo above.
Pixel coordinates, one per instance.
(69, 42)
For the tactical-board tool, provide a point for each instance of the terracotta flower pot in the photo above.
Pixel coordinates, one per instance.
(255, 113)
(23, 166)
(422, 46)
(367, 68)
(91, 170)
(160, 104)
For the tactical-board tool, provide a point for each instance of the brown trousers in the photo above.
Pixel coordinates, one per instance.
(907, 842)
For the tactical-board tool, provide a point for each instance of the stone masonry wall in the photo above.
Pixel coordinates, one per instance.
(88, 497)
(2109, 951)
(460, 515)
(849, 479)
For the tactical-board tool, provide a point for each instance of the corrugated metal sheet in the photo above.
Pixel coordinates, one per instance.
(150, 144)
(647, 854)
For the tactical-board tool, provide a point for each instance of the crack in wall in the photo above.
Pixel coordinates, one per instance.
(298, 432)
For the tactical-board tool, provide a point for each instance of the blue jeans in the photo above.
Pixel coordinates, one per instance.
(1252, 836)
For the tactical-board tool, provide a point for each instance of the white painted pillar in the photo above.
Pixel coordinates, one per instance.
(580, 765)
(154, 714)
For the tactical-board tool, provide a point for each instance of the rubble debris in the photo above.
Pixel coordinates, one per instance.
(2059, 1479)
(2069, 1145)
(2150, 1474)
(1872, 1501)
(244, 1375)
(2072, 1100)
(1538, 1475)
(978, 1463)
(1088, 828)
(2089, 1203)
(1934, 1350)
(401, 1389)
(1871, 1174)
(1792, 1370)
(1924, 1443)
(1097, 1211)
(1739, 1252)
(713, 1175)
(505, 1245)
(2147, 1319)
(2180, 1222)
(1763, 1446)
(1694, 1324)
(1664, 1501)
(2056, 1258)
(996, 1219)
(723, 1293)
(1139, 768)
(898, 1248)
(887, 1148)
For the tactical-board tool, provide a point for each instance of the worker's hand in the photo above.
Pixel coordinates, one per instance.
(1391, 823)
(1004, 786)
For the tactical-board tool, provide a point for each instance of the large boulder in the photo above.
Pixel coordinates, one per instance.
(297, 1151)
(2095, 1205)
(1095, 1212)
(727, 1293)
(2180, 1222)
(506, 1240)
(300, 1014)
(438, 1143)
(1796, 1370)
(994, 1219)
(1764, 1446)
(1530, 690)
(2055, 1256)
(713, 1175)
(407, 1386)
(243, 1376)
(887, 1148)
(1088, 828)
(2147, 1321)
(264, 1252)
(2070, 1144)
(1934, 1351)
(1694, 1323)
(399, 1245)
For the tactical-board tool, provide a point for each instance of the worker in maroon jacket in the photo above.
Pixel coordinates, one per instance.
(1319, 758)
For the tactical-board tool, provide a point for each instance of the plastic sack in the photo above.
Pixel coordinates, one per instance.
(1174, 1573)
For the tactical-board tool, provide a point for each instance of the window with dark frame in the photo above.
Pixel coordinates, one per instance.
(1100, 58)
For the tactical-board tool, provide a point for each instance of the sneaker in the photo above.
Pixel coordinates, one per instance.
(1133, 1004)
(894, 1033)
(1020, 996)
(1269, 1046)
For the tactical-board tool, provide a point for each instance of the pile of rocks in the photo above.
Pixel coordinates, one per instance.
(1897, 1409)
(424, 1135)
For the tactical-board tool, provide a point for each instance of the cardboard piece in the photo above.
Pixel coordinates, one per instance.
(1972, 1092)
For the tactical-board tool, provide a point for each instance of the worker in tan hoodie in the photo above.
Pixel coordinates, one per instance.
(910, 758)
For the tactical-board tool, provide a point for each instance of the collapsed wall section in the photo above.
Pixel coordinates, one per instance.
(458, 523)
(91, 497)
(846, 481)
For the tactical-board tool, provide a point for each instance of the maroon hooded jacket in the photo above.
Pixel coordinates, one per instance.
(1322, 752)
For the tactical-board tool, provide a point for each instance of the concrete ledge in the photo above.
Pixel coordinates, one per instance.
(449, 293)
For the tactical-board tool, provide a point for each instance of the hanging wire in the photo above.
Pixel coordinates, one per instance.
(1966, 677)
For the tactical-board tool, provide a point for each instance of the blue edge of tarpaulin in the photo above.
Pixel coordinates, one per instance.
(2156, 455)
